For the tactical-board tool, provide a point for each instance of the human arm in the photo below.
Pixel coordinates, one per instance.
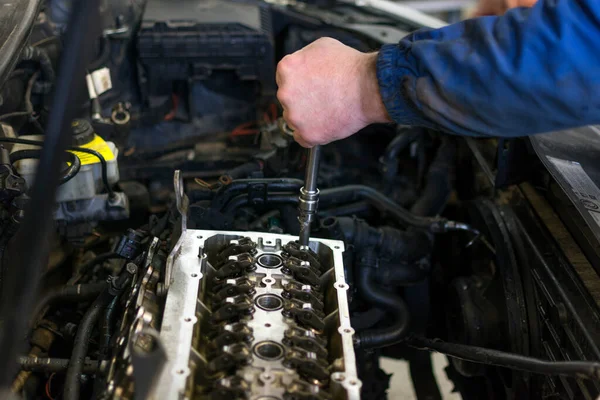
(529, 71)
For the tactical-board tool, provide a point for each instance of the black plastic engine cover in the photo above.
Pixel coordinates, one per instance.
(223, 50)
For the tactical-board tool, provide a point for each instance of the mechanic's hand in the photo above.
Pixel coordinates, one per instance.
(329, 91)
(499, 7)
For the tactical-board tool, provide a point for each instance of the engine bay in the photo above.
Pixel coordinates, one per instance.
(172, 269)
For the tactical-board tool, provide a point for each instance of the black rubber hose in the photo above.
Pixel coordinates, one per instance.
(104, 54)
(352, 193)
(272, 199)
(367, 319)
(40, 56)
(245, 170)
(358, 208)
(439, 182)
(100, 157)
(29, 363)
(77, 293)
(80, 347)
(401, 246)
(394, 274)
(373, 294)
(107, 322)
(100, 258)
(86, 329)
(482, 355)
(225, 193)
(389, 160)
(68, 174)
(355, 193)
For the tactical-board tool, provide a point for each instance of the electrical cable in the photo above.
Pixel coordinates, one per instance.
(29, 104)
(39, 55)
(103, 164)
(68, 173)
(14, 114)
(31, 245)
(482, 355)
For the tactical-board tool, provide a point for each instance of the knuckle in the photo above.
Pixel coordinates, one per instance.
(291, 118)
(285, 64)
(282, 95)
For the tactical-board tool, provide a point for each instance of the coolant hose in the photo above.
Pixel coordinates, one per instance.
(80, 347)
(245, 170)
(107, 322)
(394, 305)
(389, 160)
(86, 329)
(338, 196)
(402, 246)
(439, 182)
(75, 293)
(224, 194)
(394, 275)
(353, 193)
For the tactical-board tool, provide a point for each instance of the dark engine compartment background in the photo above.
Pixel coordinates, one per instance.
(193, 89)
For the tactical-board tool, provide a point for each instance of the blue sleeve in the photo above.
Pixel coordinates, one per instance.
(529, 71)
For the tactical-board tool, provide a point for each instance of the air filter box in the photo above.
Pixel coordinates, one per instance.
(221, 51)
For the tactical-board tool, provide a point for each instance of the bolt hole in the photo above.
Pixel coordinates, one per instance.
(199, 236)
(347, 330)
(267, 325)
(194, 275)
(180, 371)
(339, 378)
(353, 383)
(336, 247)
(188, 319)
(269, 242)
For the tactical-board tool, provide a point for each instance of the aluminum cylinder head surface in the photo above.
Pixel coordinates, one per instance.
(256, 316)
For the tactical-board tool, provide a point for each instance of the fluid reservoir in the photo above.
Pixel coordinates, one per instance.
(88, 181)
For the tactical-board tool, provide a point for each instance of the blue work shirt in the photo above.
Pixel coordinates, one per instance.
(532, 70)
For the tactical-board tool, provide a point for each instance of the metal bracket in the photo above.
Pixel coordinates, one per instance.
(182, 202)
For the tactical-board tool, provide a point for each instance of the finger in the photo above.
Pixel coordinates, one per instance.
(282, 101)
(301, 141)
(286, 118)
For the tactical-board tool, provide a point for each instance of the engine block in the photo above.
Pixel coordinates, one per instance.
(255, 316)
